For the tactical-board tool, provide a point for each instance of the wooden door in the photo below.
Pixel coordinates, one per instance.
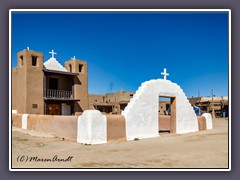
(54, 109)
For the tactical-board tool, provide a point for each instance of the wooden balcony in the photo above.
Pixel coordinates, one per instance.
(58, 94)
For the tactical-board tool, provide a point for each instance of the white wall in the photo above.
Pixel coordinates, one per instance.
(141, 114)
(208, 117)
(14, 111)
(24, 121)
(92, 127)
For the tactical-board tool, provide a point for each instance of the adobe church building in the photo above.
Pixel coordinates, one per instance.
(47, 87)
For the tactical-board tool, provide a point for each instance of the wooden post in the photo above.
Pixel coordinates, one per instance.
(173, 115)
(213, 111)
(44, 85)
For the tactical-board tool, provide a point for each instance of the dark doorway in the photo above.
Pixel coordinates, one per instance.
(53, 83)
(53, 109)
(122, 107)
(167, 115)
(106, 109)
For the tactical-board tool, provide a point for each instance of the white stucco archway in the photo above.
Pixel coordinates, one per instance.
(141, 114)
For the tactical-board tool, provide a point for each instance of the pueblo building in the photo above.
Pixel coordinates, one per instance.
(110, 103)
(40, 87)
(217, 106)
(47, 87)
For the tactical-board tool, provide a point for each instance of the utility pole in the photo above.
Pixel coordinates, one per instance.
(199, 110)
(212, 104)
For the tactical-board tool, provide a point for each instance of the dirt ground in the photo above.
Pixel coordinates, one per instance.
(203, 149)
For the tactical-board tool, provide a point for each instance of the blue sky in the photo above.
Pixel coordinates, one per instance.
(124, 49)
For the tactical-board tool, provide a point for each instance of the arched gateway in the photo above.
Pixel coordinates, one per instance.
(141, 114)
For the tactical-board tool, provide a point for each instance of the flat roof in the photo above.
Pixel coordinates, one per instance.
(60, 72)
(103, 104)
(60, 99)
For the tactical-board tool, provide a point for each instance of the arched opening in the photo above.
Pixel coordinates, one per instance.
(167, 114)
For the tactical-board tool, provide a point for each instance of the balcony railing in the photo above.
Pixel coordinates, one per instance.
(58, 94)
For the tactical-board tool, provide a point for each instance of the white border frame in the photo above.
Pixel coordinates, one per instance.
(118, 10)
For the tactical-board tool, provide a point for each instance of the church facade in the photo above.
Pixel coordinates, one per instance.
(47, 87)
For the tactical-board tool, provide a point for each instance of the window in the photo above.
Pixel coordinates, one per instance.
(131, 95)
(21, 60)
(34, 106)
(34, 60)
(70, 67)
(95, 100)
(80, 66)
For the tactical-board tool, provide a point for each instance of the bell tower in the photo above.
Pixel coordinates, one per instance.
(80, 86)
(29, 82)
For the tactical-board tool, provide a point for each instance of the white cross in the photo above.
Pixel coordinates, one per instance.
(73, 57)
(165, 73)
(27, 48)
(52, 52)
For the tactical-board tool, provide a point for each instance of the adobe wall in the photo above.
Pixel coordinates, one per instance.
(119, 96)
(110, 97)
(27, 83)
(67, 127)
(17, 120)
(92, 127)
(96, 98)
(116, 130)
(34, 82)
(201, 123)
(14, 88)
(88, 128)
(41, 123)
(60, 126)
(164, 122)
(19, 89)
